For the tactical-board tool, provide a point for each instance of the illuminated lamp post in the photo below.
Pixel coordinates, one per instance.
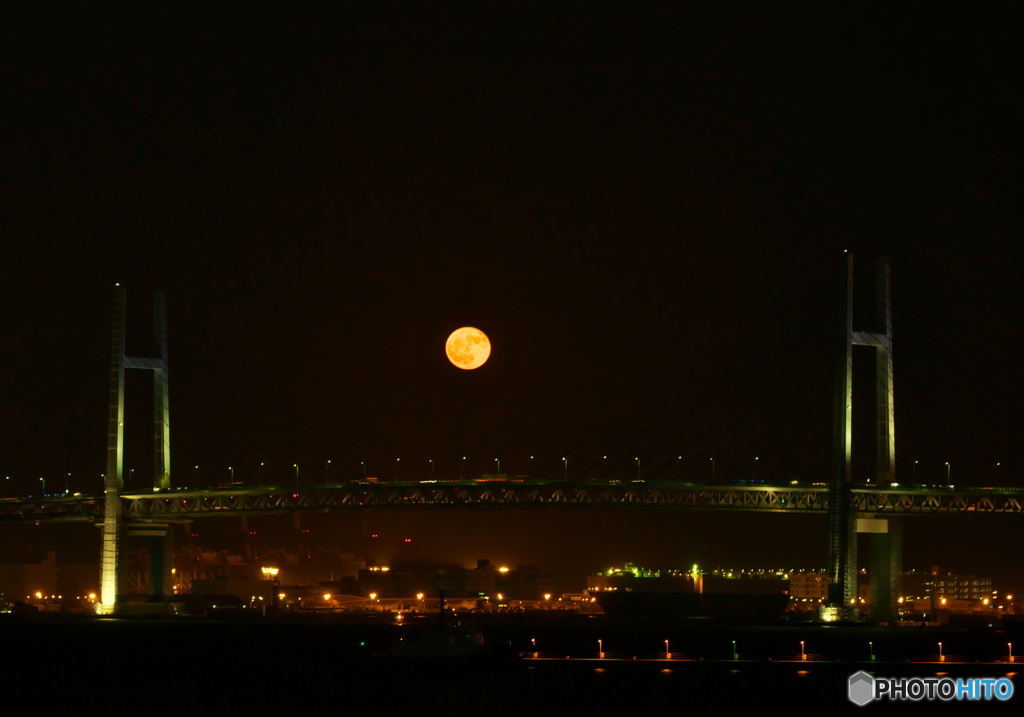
(948, 484)
(259, 475)
(396, 469)
(327, 471)
(363, 464)
(231, 470)
(431, 462)
(755, 469)
(499, 465)
(638, 469)
(565, 462)
(43, 480)
(913, 473)
(296, 467)
(712, 459)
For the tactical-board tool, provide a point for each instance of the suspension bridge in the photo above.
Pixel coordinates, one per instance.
(850, 507)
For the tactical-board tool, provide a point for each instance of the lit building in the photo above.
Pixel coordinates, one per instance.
(918, 584)
(808, 586)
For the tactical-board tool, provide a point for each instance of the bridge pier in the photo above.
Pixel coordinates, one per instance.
(160, 552)
(885, 570)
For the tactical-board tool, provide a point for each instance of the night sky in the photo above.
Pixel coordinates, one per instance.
(643, 207)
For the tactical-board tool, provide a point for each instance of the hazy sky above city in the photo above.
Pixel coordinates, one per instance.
(643, 208)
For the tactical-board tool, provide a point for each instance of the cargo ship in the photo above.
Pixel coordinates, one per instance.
(636, 594)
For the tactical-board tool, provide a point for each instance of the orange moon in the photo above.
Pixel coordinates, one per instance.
(468, 348)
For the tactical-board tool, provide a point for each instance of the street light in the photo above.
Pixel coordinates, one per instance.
(638, 468)
(755, 469)
(947, 475)
(296, 467)
(396, 469)
(232, 470)
(431, 462)
(363, 464)
(327, 471)
(259, 475)
(913, 473)
(712, 470)
(566, 462)
(498, 461)
(462, 476)
(44, 484)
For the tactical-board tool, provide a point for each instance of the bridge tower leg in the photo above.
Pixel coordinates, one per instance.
(109, 553)
(114, 527)
(843, 525)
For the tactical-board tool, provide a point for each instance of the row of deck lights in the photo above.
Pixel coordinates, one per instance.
(431, 465)
(803, 651)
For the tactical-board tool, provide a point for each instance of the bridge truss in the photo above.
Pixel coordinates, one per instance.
(186, 505)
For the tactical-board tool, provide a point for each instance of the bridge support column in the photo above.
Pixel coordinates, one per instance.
(842, 530)
(886, 571)
(111, 567)
(160, 581)
(109, 552)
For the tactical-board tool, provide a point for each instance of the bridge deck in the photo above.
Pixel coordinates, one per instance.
(181, 505)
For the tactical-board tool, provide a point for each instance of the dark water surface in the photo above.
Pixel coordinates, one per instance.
(322, 666)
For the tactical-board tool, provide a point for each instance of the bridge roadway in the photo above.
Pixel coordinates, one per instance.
(179, 505)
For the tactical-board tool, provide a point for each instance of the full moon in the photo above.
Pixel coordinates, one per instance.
(468, 348)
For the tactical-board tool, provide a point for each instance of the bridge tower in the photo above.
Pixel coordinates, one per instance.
(844, 522)
(114, 528)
